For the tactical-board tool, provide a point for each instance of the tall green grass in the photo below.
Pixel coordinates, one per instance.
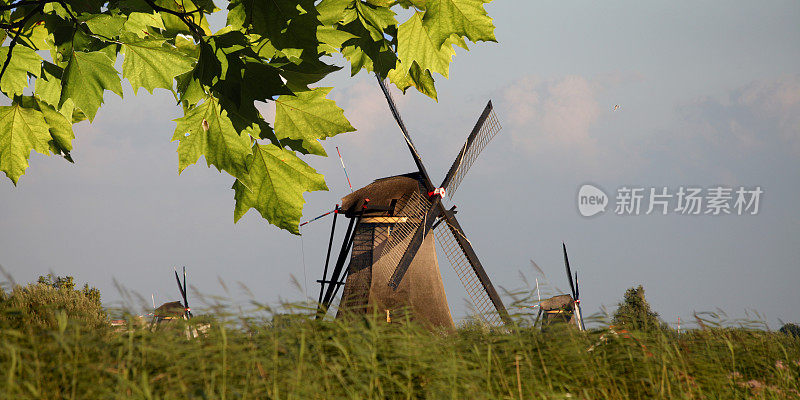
(260, 356)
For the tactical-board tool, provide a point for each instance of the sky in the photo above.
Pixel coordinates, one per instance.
(708, 95)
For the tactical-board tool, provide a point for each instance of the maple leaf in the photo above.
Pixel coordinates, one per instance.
(207, 131)
(274, 186)
(468, 18)
(404, 78)
(309, 116)
(415, 44)
(150, 63)
(21, 130)
(85, 78)
(24, 61)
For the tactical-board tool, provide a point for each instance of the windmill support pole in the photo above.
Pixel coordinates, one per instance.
(323, 305)
(328, 256)
(579, 317)
(352, 227)
(343, 271)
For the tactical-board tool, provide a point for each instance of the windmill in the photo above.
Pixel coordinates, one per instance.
(565, 307)
(394, 225)
(175, 309)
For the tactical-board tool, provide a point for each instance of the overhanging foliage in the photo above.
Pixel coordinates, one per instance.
(268, 51)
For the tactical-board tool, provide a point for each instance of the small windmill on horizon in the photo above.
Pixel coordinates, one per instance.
(565, 307)
(175, 309)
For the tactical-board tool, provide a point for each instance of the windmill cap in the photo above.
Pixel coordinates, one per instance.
(381, 192)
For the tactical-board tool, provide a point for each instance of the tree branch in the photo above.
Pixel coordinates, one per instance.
(16, 37)
(24, 3)
(193, 27)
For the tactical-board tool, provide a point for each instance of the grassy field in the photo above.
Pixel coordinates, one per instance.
(297, 358)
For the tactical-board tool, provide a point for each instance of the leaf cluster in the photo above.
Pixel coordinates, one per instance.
(62, 56)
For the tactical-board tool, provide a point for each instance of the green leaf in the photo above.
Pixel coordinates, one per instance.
(376, 19)
(309, 116)
(190, 89)
(274, 186)
(306, 73)
(85, 78)
(288, 24)
(262, 82)
(59, 126)
(336, 11)
(21, 130)
(48, 85)
(444, 18)
(415, 44)
(106, 25)
(207, 131)
(194, 13)
(139, 23)
(24, 61)
(150, 63)
(60, 130)
(421, 80)
(331, 39)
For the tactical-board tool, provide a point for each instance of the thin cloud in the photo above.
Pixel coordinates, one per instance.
(555, 112)
(762, 114)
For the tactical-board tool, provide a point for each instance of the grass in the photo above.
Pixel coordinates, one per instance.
(297, 358)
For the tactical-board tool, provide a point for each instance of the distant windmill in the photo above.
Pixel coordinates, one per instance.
(393, 270)
(565, 307)
(175, 309)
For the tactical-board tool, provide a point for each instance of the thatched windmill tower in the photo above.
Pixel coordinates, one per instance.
(393, 270)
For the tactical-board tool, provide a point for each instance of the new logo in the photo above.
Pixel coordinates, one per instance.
(591, 200)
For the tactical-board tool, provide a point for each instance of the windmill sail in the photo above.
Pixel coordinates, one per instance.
(396, 114)
(413, 209)
(478, 289)
(484, 131)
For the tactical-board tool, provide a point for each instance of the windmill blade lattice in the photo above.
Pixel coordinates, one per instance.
(485, 130)
(445, 237)
(412, 208)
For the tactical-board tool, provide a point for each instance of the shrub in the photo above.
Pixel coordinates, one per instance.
(634, 312)
(790, 329)
(38, 305)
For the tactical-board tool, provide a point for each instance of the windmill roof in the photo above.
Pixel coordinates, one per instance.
(172, 309)
(556, 302)
(382, 191)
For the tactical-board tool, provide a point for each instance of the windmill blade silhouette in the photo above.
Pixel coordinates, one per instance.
(396, 114)
(182, 289)
(569, 273)
(578, 303)
(574, 287)
(186, 295)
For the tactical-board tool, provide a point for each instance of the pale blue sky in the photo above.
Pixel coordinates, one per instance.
(709, 95)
